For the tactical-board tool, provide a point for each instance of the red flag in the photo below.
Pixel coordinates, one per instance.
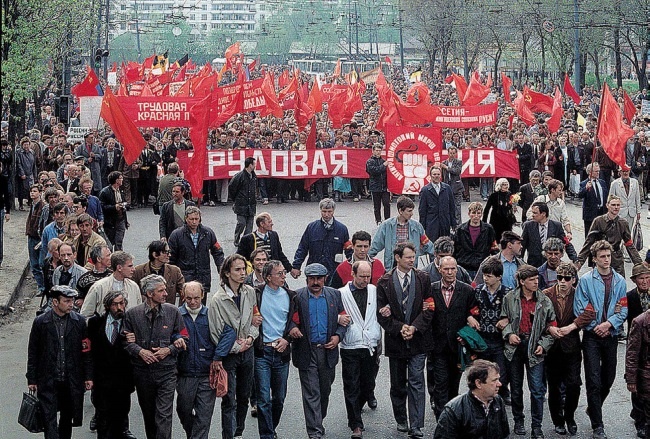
(612, 132)
(180, 73)
(232, 52)
(553, 122)
(146, 90)
(388, 60)
(114, 67)
(283, 79)
(459, 83)
(89, 86)
(252, 65)
(337, 68)
(570, 91)
(272, 105)
(507, 83)
(538, 102)
(147, 64)
(302, 112)
(315, 99)
(288, 90)
(629, 109)
(132, 72)
(524, 113)
(199, 119)
(123, 127)
(122, 91)
(476, 91)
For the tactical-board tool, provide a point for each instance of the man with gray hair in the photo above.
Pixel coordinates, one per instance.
(553, 252)
(100, 257)
(154, 334)
(444, 246)
(323, 240)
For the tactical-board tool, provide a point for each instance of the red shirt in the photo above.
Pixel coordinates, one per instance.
(527, 314)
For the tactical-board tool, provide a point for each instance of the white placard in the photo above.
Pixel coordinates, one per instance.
(76, 134)
(645, 107)
(112, 79)
(90, 107)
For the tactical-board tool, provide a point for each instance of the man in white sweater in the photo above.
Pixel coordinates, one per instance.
(359, 346)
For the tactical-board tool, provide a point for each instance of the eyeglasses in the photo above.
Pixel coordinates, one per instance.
(76, 207)
(167, 251)
(280, 273)
(566, 278)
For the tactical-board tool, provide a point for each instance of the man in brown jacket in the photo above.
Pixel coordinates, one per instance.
(637, 368)
(564, 358)
(159, 264)
(33, 235)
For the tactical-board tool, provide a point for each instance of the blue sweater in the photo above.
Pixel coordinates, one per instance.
(274, 307)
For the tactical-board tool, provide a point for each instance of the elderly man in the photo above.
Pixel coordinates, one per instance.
(159, 264)
(277, 304)
(119, 280)
(359, 347)
(154, 332)
(59, 366)
(317, 329)
(112, 368)
(627, 189)
(322, 240)
(478, 413)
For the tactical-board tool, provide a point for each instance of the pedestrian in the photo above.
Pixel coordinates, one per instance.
(59, 364)
(359, 347)
(86, 240)
(68, 272)
(510, 244)
(114, 209)
(172, 212)
(451, 170)
(191, 247)
(528, 194)
(255, 278)
(529, 313)
(554, 199)
(535, 233)
(232, 306)
(91, 154)
(276, 304)
(196, 398)
(400, 229)
(322, 241)
(405, 312)
(154, 333)
(113, 384)
(593, 192)
(500, 208)
(479, 413)
(627, 189)
(603, 290)
(637, 369)
(31, 230)
(53, 230)
(243, 189)
(26, 170)
(360, 246)
(265, 238)
(444, 246)
(159, 264)
(553, 252)
(376, 167)
(317, 330)
(437, 207)
(474, 240)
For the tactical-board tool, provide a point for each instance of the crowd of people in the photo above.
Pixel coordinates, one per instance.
(161, 329)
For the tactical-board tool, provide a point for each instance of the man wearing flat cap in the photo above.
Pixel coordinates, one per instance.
(317, 328)
(638, 302)
(59, 366)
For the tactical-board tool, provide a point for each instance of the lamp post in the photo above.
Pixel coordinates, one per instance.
(576, 47)
(401, 39)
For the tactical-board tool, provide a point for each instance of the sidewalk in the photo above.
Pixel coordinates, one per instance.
(15, 265)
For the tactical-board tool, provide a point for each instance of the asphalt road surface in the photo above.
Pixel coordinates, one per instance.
(290, 221)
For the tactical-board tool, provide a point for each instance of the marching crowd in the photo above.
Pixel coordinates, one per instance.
(500, 304)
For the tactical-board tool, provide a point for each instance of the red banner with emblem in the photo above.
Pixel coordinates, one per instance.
(467, 117)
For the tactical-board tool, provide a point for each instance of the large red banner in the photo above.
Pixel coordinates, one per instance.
(487, 162)
(315, 163)
(252, 100)
(467, 117)
(158, 111)
(409, 153)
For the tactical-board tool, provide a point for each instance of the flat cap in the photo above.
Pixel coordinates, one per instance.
(63, 290)
(638, 270)
(315, 270)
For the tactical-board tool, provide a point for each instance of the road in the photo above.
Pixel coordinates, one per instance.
(290, 221)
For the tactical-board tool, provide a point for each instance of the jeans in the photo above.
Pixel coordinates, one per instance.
(155, 389)
(487, 187)
(600, 371)
(563, 370)
(407, 380)
(536, 385)
(380, 199)
(443, 378)
(358, 366)
(234, 406)
(271, 375)
(494, 353)
(195, 405)
(34, 263)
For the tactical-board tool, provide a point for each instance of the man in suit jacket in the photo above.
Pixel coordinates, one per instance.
(455, 303)
(71, 184)
(112, 367)
(451, 169)
(536, 232)
(114, 208)
(437, 206)
(110, 160)
(172, 212)
(525, 156)
(528, 193)
(628, 191)
(315, 347)
(402, 295)
(92, 156)
(593, 192)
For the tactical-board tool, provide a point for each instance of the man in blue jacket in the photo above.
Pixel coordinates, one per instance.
(437, 207)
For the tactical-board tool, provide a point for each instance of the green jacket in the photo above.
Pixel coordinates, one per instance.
(544, 317)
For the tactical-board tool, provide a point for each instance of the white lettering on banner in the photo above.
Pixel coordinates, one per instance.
(320, 164)
(254, 102)
(215, 159)
(238, 163)
(260, 163)
(163, 111)
(284, 155)
(484, 160)
(399, 139)
(76, 134)
(452, 111)
(162, 106)
(339, 159)
(299, 163)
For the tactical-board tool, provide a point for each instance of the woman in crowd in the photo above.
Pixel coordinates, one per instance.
(502, 209)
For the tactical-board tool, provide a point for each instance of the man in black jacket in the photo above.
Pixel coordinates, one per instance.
(474, 240)
(59, 366)
(263, 238)
(172, 212)
(112, 367)
(479, 413)
(455, 303)
(114, 207)
(536, 232)
(376, 167)
(242, 190)
(528, 192)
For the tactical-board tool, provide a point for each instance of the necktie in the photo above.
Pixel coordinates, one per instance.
(405, 291)
(542, 234)
(115, 332)
(595, 183)
(450, 292)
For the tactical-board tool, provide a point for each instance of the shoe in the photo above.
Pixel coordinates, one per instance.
(265, 202)
(128, 435)
(537, 433)
(93, 423)
(355, 199)
(372, 403)
(416, 433)
(254, 411)
(560, 429)
(640, 432)
(572, 427)
(519, 429)
(599, 433)
(402, 427)
(238, 437)
(356, 434)
(212, 204)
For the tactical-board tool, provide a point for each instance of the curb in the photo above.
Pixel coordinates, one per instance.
(6, 308)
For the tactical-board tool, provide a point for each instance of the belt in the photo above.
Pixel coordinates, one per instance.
(271, 344)
(318, 345)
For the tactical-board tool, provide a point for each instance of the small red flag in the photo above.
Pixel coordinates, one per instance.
(629, 109)
(524, 113)
(315, 99)
(538, 102)
(272, 105)
(476, 91)
(199, 119)
(388, 60)
(570, 91)
(123, 127)
(459, 83)
(337, 68)
(553, 122)
(506, 83)
(89, 86)
(612, 132)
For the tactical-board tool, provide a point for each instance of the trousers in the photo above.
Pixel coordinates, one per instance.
(155, 389)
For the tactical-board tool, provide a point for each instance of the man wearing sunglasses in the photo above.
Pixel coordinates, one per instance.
(564, 358)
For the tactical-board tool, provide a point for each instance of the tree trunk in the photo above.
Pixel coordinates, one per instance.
(16, 120)
(596, 67)
(582, 81)
(38, 120)
(617, 57)
(543, 59)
